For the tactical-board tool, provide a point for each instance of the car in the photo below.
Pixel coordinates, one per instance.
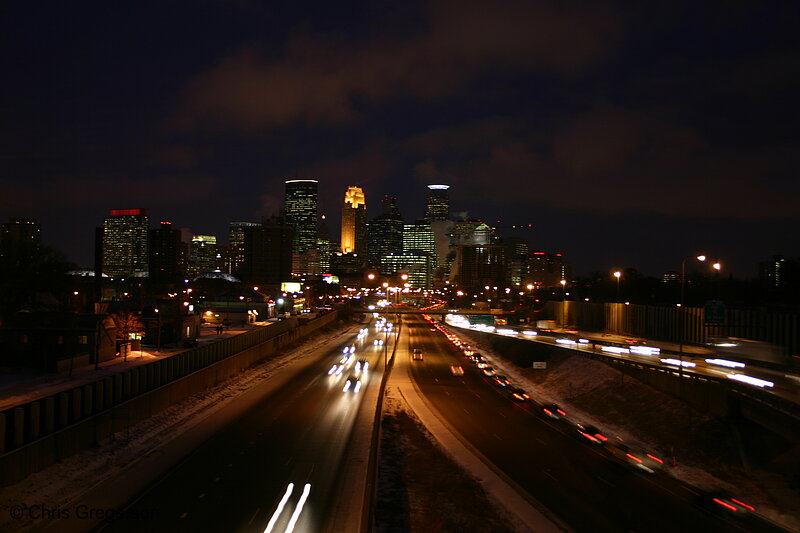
(190, 343)
(353, 384)
(519, 394)
(416, 354)
(501, 381)
(336, 370)
(361, 366)
(635, 456)
(553, 411)
(482, 364)
(456, 370)
(722, 501)
(488, 371)
(590, 434)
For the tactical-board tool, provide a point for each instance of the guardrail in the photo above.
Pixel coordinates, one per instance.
(368, 517)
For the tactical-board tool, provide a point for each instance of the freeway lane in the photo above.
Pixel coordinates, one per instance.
(784, 384)
(236, 480)
(575, 481)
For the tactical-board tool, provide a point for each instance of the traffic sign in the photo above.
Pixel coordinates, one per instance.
(714, 313)
(539, 364)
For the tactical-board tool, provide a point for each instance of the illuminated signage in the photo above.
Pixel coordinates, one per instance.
(290, 286)
(126, 212)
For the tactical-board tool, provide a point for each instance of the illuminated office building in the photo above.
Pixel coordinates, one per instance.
(125, 246)
(300, 208)
(419, 236)
(417, 264)
(354, 222)
(202, 255)
(438, 208)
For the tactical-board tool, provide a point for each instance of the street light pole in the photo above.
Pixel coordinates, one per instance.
(385, 348)
(618, 313)
(563, 283)
(682, 315)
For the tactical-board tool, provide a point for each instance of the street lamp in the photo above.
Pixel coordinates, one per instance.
(563, 283)
(617, 275)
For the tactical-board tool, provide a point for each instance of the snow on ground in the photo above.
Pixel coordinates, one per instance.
(18, 386)
(66, 481)
(595, 393)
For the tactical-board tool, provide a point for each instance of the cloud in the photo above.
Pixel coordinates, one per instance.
(112, 192)
(617, 160)
(178, 156)
(316, 79)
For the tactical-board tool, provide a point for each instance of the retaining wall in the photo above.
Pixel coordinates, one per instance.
(39, 433)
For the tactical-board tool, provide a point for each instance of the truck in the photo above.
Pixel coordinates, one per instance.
(546, 324)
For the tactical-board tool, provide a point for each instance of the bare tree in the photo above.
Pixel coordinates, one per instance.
(127, 324)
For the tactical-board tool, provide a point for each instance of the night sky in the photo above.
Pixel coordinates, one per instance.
(628, 135)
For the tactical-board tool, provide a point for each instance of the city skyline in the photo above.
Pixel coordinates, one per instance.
(620, 150)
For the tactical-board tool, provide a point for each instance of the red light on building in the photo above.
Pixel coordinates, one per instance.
(128, 212)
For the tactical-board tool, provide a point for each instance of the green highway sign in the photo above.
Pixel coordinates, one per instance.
(714, 313)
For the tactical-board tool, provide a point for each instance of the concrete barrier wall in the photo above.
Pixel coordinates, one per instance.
(33, 437)
(669, 323)
(720, 399)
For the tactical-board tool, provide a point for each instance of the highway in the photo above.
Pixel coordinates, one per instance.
(778, 383)
(284, 454)
(576, 481)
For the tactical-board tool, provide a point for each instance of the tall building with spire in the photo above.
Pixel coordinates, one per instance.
(354, 222)
(126, 248)
(300, 208)
(438, 208)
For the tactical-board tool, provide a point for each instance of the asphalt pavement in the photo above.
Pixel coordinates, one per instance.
(574, 480)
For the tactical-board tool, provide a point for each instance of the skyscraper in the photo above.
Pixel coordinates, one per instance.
(20, 238)
(324, 246)
(480, 265)
(165, 254)
(236, 243)
(385, 233)
(354, 222)
(417, 264)
(202, 255)
(300, 207)
(419, 236)
(125, 242)
(267, 252)
(438, 208)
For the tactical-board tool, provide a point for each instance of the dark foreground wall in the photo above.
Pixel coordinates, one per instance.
(39, 433)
